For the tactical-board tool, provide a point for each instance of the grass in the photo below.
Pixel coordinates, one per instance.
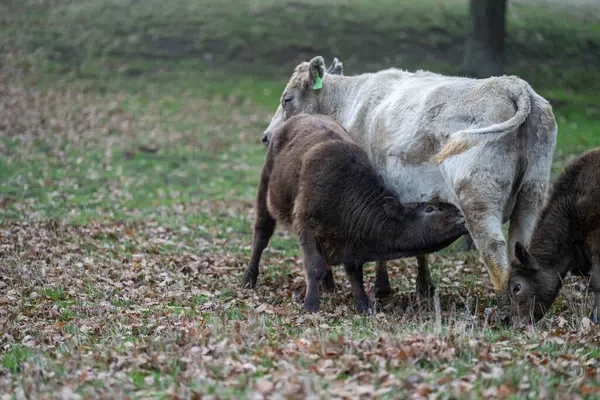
(130, 141)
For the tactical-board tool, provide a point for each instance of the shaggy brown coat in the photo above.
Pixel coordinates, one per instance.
(566, 239)
(322, 186)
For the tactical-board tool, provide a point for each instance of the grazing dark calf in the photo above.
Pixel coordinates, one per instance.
(566, 239)
(321, 185)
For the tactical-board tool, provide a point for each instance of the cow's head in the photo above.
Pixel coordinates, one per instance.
(300, 94)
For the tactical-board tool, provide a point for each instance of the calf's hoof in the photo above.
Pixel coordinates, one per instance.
(249, 281)
(364, 307)
(328, 282)
(311, 305)
(382, 290)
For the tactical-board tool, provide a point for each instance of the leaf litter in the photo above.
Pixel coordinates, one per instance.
(139, 308)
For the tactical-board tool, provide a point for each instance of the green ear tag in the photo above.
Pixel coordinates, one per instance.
(318, 83)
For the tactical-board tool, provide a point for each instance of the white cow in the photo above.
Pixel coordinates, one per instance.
(485, 145)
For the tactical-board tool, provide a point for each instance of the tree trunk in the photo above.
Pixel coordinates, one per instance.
(484, 47)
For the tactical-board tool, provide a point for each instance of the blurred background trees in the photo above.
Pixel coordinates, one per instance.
(484, 45)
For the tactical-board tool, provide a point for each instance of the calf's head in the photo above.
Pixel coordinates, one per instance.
(531, 289)
(300, 94)
(432, 226)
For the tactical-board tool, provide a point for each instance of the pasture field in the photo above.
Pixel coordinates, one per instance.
(129, 159)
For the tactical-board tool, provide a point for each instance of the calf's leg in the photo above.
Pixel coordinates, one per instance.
(424, 285)
(264, 227)
(354, 272)
(328, 281)
(314, 268)
(382, 280)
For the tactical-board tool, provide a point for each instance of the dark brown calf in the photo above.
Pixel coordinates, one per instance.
(566, 239)
(321, 185)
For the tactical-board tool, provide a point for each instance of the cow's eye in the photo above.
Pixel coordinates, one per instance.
(287, 100)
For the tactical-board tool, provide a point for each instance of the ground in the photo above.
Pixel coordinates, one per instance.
(130, 155)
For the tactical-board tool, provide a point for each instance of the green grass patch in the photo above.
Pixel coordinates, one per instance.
(130, 142)
(13, 358)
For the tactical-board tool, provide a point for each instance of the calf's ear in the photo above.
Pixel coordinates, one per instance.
(527, 261)
(392, 207)
(316, 70)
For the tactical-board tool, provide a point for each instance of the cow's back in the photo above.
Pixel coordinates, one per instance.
(419, 112)
(422, 111)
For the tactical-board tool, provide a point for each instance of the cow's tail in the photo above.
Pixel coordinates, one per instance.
(463, 140)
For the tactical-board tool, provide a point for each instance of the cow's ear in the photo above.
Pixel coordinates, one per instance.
(316, 70)
(336, 68)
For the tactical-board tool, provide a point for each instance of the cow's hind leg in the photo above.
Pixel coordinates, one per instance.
(522, 220)
(489, 238)
(425, 286)
(467, 243)
(483, 215)
(542, 130)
